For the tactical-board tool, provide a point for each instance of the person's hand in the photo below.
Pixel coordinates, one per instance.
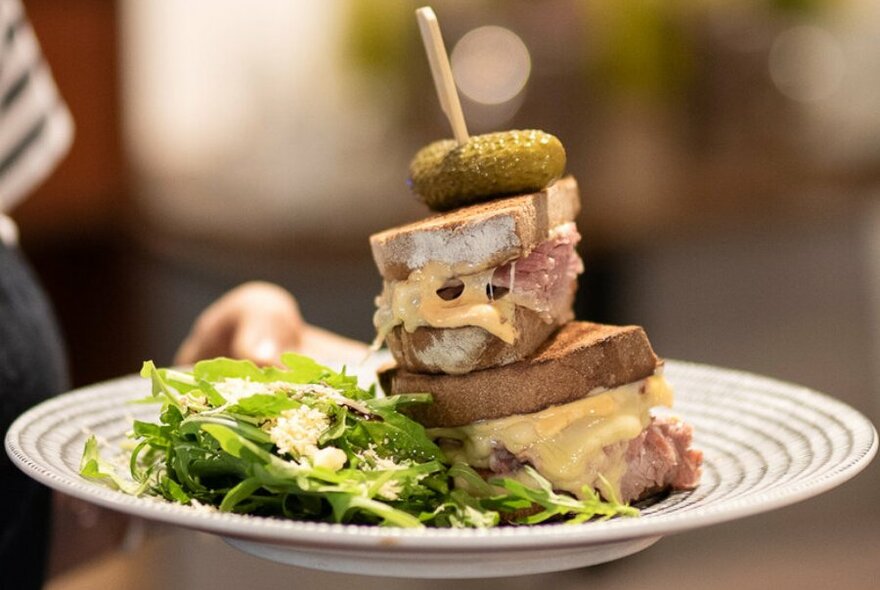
(259, 321)
(255, 321)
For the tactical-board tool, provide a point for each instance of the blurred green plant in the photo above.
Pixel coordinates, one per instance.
(799, 6)
(379, 36)
(645, 48)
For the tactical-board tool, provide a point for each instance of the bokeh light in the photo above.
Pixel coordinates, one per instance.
(491, 65)
(806, 63)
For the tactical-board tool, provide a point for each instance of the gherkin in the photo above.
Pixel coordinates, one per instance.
(447, 175)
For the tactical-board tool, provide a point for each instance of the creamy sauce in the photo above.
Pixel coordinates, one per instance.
(570, 444)
(415, 302)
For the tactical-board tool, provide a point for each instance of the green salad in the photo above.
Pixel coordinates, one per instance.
(305, 442)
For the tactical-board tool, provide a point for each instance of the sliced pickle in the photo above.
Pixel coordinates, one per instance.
(447, 175)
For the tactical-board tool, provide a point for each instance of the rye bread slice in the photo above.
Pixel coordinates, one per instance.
(479, 236)
(580, 358)
(461, 350)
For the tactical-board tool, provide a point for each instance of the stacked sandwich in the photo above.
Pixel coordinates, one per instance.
(476, 309)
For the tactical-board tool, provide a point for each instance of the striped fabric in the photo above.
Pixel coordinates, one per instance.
(35, 127)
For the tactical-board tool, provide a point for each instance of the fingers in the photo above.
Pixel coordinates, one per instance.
(323, 344)
(256, 321)
(259, 321)
(267, 327)
(209, 335)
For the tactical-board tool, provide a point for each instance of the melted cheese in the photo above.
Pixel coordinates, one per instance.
(571, 444)
(415, 302)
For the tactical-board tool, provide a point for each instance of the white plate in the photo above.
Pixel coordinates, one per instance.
(766, 444)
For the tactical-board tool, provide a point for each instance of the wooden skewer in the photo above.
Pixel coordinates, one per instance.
(442, 73)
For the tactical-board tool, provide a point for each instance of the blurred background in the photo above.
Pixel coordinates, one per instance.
(728, 153)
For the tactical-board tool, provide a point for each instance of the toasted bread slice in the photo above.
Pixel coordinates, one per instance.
(579, 359)
(461, 350)
(470, 348)
(477, 237)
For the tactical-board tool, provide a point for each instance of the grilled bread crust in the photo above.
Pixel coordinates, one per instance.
(578, 359)
(476, 237)
(470, 348)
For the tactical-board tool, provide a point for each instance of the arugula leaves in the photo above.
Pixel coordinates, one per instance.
(305, 442)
